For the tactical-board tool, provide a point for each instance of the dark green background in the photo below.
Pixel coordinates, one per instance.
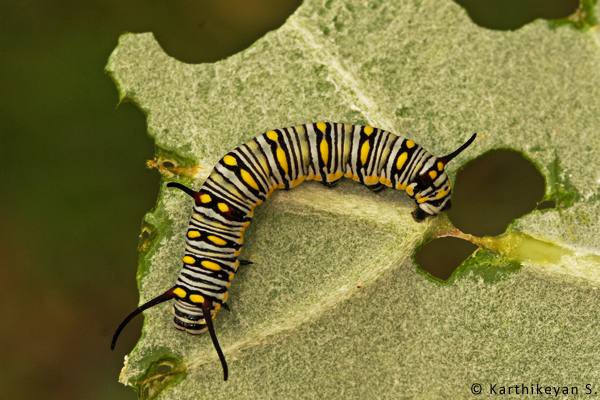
(73, 182)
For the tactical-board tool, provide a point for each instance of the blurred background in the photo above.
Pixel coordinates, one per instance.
(74, 186)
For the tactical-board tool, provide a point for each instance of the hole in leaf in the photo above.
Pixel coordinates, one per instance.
(196, 31)
(145, 234)
(146, 393)
(546, 204)
(442, 256)
(513, 14)
(164, 368)
(493, 190)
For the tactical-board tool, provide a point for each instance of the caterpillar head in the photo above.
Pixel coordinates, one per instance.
(431, 187)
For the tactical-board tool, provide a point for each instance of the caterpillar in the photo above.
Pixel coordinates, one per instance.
(282, 159)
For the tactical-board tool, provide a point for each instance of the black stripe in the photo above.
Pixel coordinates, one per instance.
(260, 148)
(293, 154)
(351, 138)
(335, 157)
(223, 193)
(220, 275)
(256, 165)
(233, 228)
(304, 172)
(220, 289)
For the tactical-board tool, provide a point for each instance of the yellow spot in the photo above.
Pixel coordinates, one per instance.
(321, 126)
(249, 179)
(251, 213)
(224, 297)
(368, 130)
(188, 260)
(401, 160)
(338, 174)
(310, 177)
(217, 307)
(281, 185)
(258, 203)
(422, 200)
(324, 151)
(217, 240)
(272, 135)
(180, 292)
(410, 190)
(371, 180)
(223, 207)
(440, 165)
(237, 253)
(385, 181)
(211, 265)
(330, 177)
(400, 186)
(214, 316)
(348, 175)
(410, 144)
(364, 152)
(442, 193)
(282, 160)
(318, 178)
(229, 160)
(432, 174)
(241, 239)
(298, 181)
(193, 234)
(205, 198)
(355, 177)
(236, 264)
(231, 276)
(196, 298)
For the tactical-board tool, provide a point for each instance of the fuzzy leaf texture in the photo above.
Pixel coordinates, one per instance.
(299, 326)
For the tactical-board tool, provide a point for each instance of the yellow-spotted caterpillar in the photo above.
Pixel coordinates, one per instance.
(282, 159)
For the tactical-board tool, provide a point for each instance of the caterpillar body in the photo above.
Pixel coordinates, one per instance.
(282, 159)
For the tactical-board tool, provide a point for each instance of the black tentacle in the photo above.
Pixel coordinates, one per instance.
(186, 189)
(447, 158)
(168, 295)
(213, 336)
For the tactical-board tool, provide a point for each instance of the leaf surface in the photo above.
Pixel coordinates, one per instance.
(300, 326)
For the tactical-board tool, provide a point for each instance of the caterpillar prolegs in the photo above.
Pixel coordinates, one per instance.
(282, 159)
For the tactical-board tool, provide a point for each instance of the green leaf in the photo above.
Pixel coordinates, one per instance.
(523, 309)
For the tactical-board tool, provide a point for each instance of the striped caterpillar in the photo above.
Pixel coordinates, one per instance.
(282, 159)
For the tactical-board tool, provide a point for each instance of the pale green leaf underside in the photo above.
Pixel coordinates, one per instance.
(300, 327)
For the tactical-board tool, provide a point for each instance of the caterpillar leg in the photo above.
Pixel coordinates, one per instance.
(242, 262)
(419, 215)
(377, 187)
